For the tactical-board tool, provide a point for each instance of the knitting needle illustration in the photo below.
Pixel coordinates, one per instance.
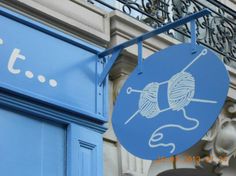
(180, 92)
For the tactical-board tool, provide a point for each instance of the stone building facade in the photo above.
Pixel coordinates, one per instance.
(106, 27)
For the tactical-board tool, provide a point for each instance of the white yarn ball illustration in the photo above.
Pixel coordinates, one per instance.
(181, 89)
(148, 102)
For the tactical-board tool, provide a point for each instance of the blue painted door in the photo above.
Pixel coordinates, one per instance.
(31, 147)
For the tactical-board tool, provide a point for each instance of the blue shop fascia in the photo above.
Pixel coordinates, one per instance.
(52, 110)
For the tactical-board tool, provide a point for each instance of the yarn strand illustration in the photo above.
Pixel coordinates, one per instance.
(180, 92)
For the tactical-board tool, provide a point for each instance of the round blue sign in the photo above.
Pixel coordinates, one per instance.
(172, 104)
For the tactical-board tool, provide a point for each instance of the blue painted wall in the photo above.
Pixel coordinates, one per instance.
(52, 110)
(30, 146)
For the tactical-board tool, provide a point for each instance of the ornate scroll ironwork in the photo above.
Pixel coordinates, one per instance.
(216, 31)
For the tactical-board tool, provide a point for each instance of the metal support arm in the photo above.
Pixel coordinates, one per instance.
(118, 48)
(193, 36)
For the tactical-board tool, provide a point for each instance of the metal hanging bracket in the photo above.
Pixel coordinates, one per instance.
(116, 50)
(140, 56)
(193, 35)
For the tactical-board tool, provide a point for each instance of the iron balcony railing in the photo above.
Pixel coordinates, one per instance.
(216, 31)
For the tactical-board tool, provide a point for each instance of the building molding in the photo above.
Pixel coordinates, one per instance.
(68, 16)
(40, 109)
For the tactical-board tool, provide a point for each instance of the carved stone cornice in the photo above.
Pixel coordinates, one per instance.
(133, 166)
(230, 109)
(221, 140)
(232, 86)
(123, 66)
(75, 17)
(234, 1)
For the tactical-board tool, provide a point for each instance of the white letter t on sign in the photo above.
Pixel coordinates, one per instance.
(14, 56)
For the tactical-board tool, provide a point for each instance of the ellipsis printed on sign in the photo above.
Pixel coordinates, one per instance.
(53, 82)
(29, 74)
(1, 41)
(41, 78)
(15, 55)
